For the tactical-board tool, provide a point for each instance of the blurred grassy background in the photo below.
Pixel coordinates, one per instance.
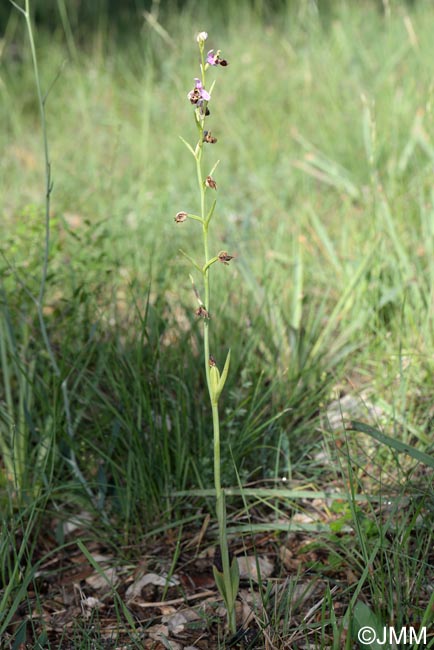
(325, 135)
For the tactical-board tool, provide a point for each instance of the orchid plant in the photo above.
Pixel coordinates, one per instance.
(226, 572)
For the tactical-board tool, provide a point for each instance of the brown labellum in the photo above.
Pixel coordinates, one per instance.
(207, 137)
(224, 257)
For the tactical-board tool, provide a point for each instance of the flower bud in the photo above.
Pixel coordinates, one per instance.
(214, 380)
(181, 216)
(210, 182)
(201, 311)
(201, 37)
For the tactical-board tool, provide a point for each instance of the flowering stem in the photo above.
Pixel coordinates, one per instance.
(216, 428)
(201, 181)
(227, 579)
(220, 496)
(206, 250)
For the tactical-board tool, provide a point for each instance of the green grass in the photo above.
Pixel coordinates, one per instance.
(326, 133)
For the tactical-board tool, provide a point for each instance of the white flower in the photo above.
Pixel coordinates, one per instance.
(201, 37)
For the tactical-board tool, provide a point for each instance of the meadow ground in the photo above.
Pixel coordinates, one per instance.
(324, 119)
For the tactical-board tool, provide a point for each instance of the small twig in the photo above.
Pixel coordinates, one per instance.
(152, 21)
(176, 601)
(317, 605)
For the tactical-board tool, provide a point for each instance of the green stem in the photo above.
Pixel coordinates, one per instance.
(206, 254)
(216, 428)
(221, 520)
(220, 494)
(209, 263)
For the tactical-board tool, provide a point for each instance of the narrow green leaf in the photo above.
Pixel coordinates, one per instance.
(297, 296)
(195, 217)
(211, 212)
(325, 240)
(20, 9)
(344, 304)
(220, 583)
(397, 445)
(224, 375)
(214, 168)
(235, 578)
(366, 627)
(293, 495)
(189, 147)
(99, 569)
(191, 260)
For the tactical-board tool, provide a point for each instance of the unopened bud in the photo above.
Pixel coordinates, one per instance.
(181, 216)
(201, 311)
(214, 379)
(210, 182)
(217, 381)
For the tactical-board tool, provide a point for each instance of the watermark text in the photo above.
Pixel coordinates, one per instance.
(388, 636)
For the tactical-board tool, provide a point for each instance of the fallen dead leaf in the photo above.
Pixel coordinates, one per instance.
(167, 610)
(92, 603)
(135, 590)
(157, 631)
(304, 518)
(175, 622)
(248, 566)
(104, 580)
(287, 558)
(89, 605)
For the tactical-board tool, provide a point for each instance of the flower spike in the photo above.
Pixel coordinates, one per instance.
(226, 573)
